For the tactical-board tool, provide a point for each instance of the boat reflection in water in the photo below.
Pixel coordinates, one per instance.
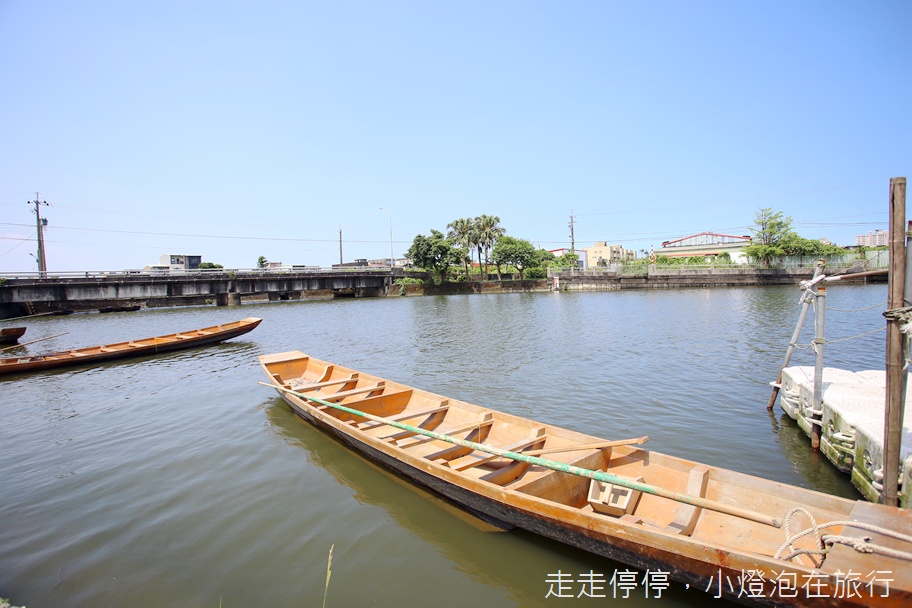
(516, 563)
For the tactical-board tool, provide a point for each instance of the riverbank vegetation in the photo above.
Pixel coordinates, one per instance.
(472, 247)
(774, 238)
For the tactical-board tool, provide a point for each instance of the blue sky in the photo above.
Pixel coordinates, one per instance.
(239, 129)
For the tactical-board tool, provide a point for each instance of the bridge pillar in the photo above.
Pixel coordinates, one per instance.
(228, 299)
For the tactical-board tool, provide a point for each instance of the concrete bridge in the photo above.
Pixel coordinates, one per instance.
(30, 293)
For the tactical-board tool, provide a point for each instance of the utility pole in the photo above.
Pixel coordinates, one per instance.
(40, 224)
(572, 237)
(392, 259)
(340, 245)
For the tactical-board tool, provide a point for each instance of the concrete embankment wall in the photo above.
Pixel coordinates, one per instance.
(658, 278)
(669, 278)
(21, 297)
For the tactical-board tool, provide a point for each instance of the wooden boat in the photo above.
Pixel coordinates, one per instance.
(11, 335)
(724, 532)
(132, 348)
(132, 308)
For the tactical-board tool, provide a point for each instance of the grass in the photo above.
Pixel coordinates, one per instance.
(329, 567)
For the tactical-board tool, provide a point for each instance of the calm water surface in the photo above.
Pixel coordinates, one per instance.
(178, 481)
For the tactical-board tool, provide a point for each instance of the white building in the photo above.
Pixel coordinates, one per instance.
(175, 261)
(603, 254)
(878, 238)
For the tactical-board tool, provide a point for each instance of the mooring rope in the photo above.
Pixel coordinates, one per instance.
(878, 305)
(904, 317)
(825, 542)
(867, 333)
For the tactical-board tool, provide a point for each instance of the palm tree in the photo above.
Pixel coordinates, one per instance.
(461, 231)
(489, 230)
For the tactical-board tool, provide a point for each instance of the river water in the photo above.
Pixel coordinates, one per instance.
(178, 481)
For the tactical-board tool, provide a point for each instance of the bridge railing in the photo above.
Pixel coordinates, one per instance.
(201, 272)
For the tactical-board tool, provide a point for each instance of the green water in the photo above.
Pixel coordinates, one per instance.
(178, 481)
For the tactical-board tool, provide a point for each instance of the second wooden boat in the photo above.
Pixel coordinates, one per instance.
(721, 531)
(130, 349)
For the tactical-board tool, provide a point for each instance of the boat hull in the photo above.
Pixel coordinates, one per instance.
(719, 553)
(11, 335)
(508, 515)
(129, 350)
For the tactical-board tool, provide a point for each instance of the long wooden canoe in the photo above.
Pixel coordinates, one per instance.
(132, 348)
(717, 530)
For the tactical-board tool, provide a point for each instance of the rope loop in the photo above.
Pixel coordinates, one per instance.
(903, 315)
(824, 543)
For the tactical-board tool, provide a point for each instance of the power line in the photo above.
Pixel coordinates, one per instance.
(807, 192)
(24, 241)
(202, 236)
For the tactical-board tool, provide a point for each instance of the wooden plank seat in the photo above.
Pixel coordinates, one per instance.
(486, 419)
(508, 473)
(430, 448)
(303, 387)
(364, 390)
(327, 372)
(369, 425)
(476, 458)
(687, 515)
(373, 404)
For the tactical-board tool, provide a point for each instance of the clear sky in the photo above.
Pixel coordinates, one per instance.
(233, 130)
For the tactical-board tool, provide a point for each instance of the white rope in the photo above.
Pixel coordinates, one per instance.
(825, 542)
(873, 331)
(879, 305)
(903, 315)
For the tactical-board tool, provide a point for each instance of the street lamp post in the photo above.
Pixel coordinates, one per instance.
(391, 237)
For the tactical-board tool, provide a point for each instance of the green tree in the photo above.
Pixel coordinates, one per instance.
(568, 260)
(793, 244)
(519, 253)
(461, 231)
(262, 262)
(774, 237)
(436, 253)
(489, 230)
(543, 257)
(770, 229)
(205, 265)
(770, 226)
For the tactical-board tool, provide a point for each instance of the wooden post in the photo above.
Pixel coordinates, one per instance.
(893, 414)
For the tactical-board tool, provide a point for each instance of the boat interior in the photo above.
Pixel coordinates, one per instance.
(602, 501)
